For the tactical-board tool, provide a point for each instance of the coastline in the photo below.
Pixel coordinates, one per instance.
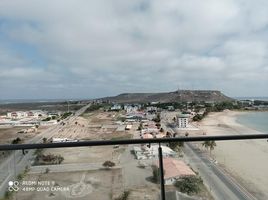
(247, 161)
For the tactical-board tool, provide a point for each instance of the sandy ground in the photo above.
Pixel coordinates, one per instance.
(247, 161)
(9, 134)
(96, 125)
(95, 185)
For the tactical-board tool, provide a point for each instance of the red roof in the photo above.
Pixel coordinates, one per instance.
(176, 168)
(147, 136)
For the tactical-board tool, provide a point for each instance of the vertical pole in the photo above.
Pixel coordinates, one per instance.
(162, 181)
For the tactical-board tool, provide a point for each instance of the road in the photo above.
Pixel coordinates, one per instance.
(16, 162)
(221, 185)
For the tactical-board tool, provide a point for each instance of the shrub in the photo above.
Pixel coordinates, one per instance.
(189, 184)
(16, 141)
(108, 164)
(124, 196)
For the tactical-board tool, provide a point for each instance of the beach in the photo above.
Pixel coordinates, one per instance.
(246, 161)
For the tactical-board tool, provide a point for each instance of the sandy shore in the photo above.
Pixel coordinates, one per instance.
(247, 161)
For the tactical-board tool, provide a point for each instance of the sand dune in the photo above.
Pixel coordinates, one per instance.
(245, 160)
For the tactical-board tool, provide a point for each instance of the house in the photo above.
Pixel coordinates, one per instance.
(116, 107)
(170, 108)
(151, 109)
(17, 115)
(24, 114)
(131, 108)
(128, 127)
(137, 116)
(151, 151)
(147, 136)
(174, 170)
(160, 135)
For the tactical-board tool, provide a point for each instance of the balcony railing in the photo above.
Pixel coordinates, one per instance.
(25, 151)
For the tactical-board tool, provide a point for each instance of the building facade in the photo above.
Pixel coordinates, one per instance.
(182, 121)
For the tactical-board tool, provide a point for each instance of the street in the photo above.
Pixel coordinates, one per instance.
(221, 186)
(17, 162)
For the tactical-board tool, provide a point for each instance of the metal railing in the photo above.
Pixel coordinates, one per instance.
(136, 141)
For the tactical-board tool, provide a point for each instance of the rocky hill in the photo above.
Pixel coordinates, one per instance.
(177, 96)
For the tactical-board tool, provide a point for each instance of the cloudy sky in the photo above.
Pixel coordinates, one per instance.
(86, 48)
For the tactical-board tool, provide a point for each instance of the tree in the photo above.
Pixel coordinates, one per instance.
(176, 146)
(108, 164)
(168, 134)
(123, 196)
(44, 140)
(157, 119)
(209, 145)
(16, 141)
(189, 184)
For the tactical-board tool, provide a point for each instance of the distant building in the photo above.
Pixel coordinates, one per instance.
(24, 114)
(150, 152)
(17, 115)
(151, 109)
(131, 108)
(182, 120)
(170, 108)
(147, 136)
(116, 107)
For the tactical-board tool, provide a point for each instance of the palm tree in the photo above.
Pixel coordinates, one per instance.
(209, 145)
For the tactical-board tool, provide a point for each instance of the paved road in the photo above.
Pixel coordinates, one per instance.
(222, 186)
(16, 162)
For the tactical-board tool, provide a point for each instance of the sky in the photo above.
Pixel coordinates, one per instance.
(87, 49)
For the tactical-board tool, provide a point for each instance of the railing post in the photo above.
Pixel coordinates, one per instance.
(162, 181)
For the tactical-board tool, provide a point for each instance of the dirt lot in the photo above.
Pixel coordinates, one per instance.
(9, 134)
(148, 193)
(93, 185)
(88, 154)
(95, 125)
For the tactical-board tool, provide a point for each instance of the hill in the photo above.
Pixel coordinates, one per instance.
(165, 97)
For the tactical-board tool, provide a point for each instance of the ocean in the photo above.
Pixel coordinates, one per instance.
(255, 120)
(252, 98)
(14, 101)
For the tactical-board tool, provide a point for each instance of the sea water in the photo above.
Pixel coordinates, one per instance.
(255, 120)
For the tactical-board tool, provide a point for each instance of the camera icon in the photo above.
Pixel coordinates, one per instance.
(13, 186)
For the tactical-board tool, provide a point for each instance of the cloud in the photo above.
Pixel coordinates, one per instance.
(99, 48)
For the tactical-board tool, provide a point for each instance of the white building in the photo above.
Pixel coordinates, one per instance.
(131, 108)
(24, 114)
(17, 115)
(116, 107)
(151, 109)
(151, 152)
(182, 121)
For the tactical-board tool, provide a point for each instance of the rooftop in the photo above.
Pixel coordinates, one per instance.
(176, 168)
